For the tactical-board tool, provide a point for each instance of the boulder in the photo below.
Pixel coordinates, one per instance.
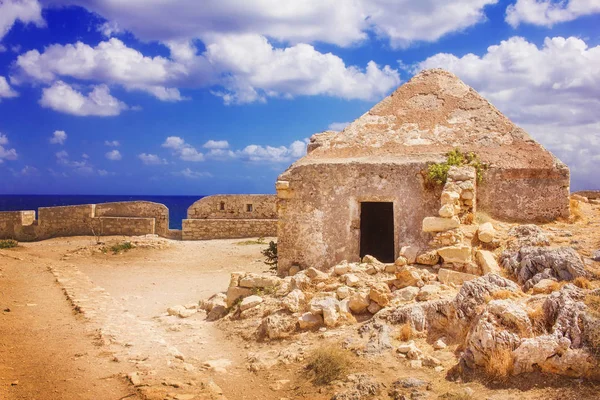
(358, 302)
(430, 258)
(318, 304)
(410, 253)
(401, 261)
(462, 173)
(532, 264)
(545, 286)
(278, 326)
(352, 280)
(448, 276)
(217, 307)
(439, 345)
(374, 308)
(487, 262)
(234, 293)
(455, 254)
(259, 281)
(529, 235)
(181, 311)
(408, 276)
(486, 232)
(407, 294)
(294, 301)
(368, 259)
(449, 197)
(438, 224)
(342, 268)
(316, 275)
(250, 302)
(428, 292)
(331, 316)
(234, 280)
(380, 293)
(446, 211)
(342, 292)
(310, 321)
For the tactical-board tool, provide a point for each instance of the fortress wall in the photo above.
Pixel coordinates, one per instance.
(138, 209)
(11, 222)
(199, 229)
(127, 226)
(264, 206)
(65, 221)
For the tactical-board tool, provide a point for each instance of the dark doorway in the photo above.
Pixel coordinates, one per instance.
(377, 231)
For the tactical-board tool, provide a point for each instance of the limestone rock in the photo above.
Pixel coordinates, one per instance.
(250, 302)
(310, 321)
(234, 280)
(374, 308)
(316, 275)
(358, 302)
(486, 232)
(458, 278)
(529, 235)
(446, 211)
(532, 264)
(545, 286)
(439, 345)
(408, 276)
(352, 280)
(368, 259)
(401, 261)
(455, 254)
(181, 311)
(234, 293)
(410, 253)
(429, 258)
(331, 315)
(391, 268)
(380, 293)
(341, 269)
(294, 269)
(278, 325)
(294, 301)
(407, 294)
(428, 292)
(476, 292)
(317, 305)
(438, 224)
(216, 307)
(343, 292)
(300, 281)
(463, 173)
(449, 197)
(259, 281)
(487, 262)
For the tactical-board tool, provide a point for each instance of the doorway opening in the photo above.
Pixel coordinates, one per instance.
(377, 230)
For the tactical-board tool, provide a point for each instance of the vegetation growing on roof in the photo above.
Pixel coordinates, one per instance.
(437, 174)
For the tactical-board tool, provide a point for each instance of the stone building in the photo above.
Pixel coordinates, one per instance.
(363, 190)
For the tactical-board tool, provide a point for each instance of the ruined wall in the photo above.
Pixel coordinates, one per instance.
(319, 209)
(525, 195)
(125, 218)
(200, 229)
(264, 206)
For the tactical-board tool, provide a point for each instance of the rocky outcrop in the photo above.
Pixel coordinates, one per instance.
(532, 264)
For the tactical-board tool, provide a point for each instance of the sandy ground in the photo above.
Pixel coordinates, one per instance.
(88, 324)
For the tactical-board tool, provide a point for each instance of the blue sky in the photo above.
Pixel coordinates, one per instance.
(174, 97)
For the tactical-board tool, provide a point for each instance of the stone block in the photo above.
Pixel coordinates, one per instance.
(456, 254)
(458, 278)
(438, 224)
(487, 262)
(486, 232)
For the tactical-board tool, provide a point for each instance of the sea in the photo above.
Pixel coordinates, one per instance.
(177, 205)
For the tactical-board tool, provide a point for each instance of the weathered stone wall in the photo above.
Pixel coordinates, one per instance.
(319, 209)
(200, 229)
(264, 206)
(125, 218)
(525, 195)
(127, 226)
(138, 209)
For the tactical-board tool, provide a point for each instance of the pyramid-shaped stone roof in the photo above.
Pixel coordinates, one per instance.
(426, 117)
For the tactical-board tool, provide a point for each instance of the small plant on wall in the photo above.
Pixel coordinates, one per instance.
(271, 255)
(437, 174)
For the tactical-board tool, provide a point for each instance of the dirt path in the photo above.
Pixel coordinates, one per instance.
(45, 350)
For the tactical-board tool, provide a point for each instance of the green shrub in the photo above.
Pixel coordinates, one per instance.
(119, 247)
(437, 174)
(328, 363)
(271, 254)
(8, 244)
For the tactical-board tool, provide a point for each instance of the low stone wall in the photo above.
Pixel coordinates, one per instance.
(242, 206)
(138, 209)
(200, 229)
(127, 226)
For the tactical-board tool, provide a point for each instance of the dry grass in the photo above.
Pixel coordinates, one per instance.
(538, 320)
(502, 294)
(582, 282)
(8, 244)
(592, 301)
(500, 366)
(328, 363)
(406, 332)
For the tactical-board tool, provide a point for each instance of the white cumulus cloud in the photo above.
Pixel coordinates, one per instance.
(338, 126)
(552, 91)
(6, 91)
(151, 159)
(185, 151)
(216, 144)
(112, 143)
(114, 155)
(25, 11)
(58, 137)
(281, 154)
(190, 174)
(63, 98)
(6, 154)
(547, 12)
